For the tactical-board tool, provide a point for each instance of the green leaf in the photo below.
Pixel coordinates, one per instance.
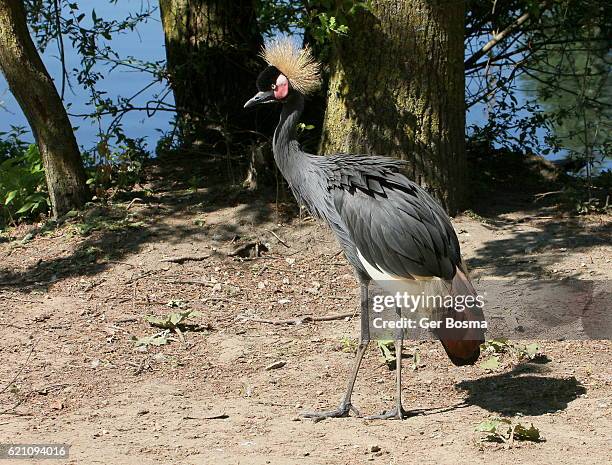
(501, 429)
(532, 349)
(26, 208)
(171, 320)
(492, 425)
(155, 340)
(492, 363)
(10, 196)
(387, 348)
(176, 318)
(497, 346)
(527, 434)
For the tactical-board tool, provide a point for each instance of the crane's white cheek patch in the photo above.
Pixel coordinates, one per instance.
(281, 88)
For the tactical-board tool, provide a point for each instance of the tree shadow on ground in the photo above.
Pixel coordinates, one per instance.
(114, 236)
(515, 393)
(544, 244)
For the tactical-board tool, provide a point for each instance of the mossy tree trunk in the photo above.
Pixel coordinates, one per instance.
(37, 96)
(212, 47)
(397, 89)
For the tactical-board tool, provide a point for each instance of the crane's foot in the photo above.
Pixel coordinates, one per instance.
(396, 413)
(341, 412)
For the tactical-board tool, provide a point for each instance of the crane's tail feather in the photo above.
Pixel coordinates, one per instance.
(463, 326)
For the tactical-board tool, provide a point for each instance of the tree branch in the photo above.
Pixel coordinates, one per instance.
(60, 45)
(497, 38)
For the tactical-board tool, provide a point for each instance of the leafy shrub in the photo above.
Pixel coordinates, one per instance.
(11, 144)
(23, 190)
(117, 167)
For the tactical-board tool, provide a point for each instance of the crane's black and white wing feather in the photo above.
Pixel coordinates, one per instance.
(397, 227)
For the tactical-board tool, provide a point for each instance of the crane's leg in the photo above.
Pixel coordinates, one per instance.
(397, 412)
(346, 406)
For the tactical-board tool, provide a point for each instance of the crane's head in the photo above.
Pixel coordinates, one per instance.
(290, 69)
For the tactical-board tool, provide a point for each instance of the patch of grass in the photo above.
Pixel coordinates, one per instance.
(348, 345)
(475, 216)
(86, 226)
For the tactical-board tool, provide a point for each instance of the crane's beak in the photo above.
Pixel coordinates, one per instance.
(261, 97)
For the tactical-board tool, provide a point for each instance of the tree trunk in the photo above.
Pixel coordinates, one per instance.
(397, 89)
(35, 92)
(212, 47)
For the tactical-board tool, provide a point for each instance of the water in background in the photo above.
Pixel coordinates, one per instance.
(145, 43)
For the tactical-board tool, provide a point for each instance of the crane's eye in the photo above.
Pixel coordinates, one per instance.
(273, 86)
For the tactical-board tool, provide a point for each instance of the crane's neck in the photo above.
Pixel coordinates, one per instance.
(289, 158)
(307, 176)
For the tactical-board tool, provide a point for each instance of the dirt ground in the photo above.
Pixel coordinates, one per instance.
(73, 298)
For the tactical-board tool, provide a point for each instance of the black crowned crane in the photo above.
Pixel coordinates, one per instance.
(389, 228)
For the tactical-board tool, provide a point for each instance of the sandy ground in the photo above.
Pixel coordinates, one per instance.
(70, 306)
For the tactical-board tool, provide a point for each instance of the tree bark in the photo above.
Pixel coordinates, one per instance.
(397, 89)
(37, 96)
(212, 47)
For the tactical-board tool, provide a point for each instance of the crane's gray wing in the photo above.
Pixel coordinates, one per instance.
(395, 224)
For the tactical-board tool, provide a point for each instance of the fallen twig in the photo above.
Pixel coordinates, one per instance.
(133, 279)
(185, 258)
(218, 416)
(197, 283)
(116, 262)
(136, 199)
(303, 319)
(546, 194)
(279, 239)
(142, 366)
(263, 268)
(45, 390)
(20, 369)
(9, 411)
(129, 319)
(223, 299)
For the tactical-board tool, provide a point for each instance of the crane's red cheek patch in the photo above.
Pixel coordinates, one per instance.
(282, 87)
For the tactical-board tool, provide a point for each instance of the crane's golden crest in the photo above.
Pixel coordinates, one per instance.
(298, 65)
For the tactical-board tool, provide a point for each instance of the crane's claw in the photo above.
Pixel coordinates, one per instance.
(341, 412)
(396, 413)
